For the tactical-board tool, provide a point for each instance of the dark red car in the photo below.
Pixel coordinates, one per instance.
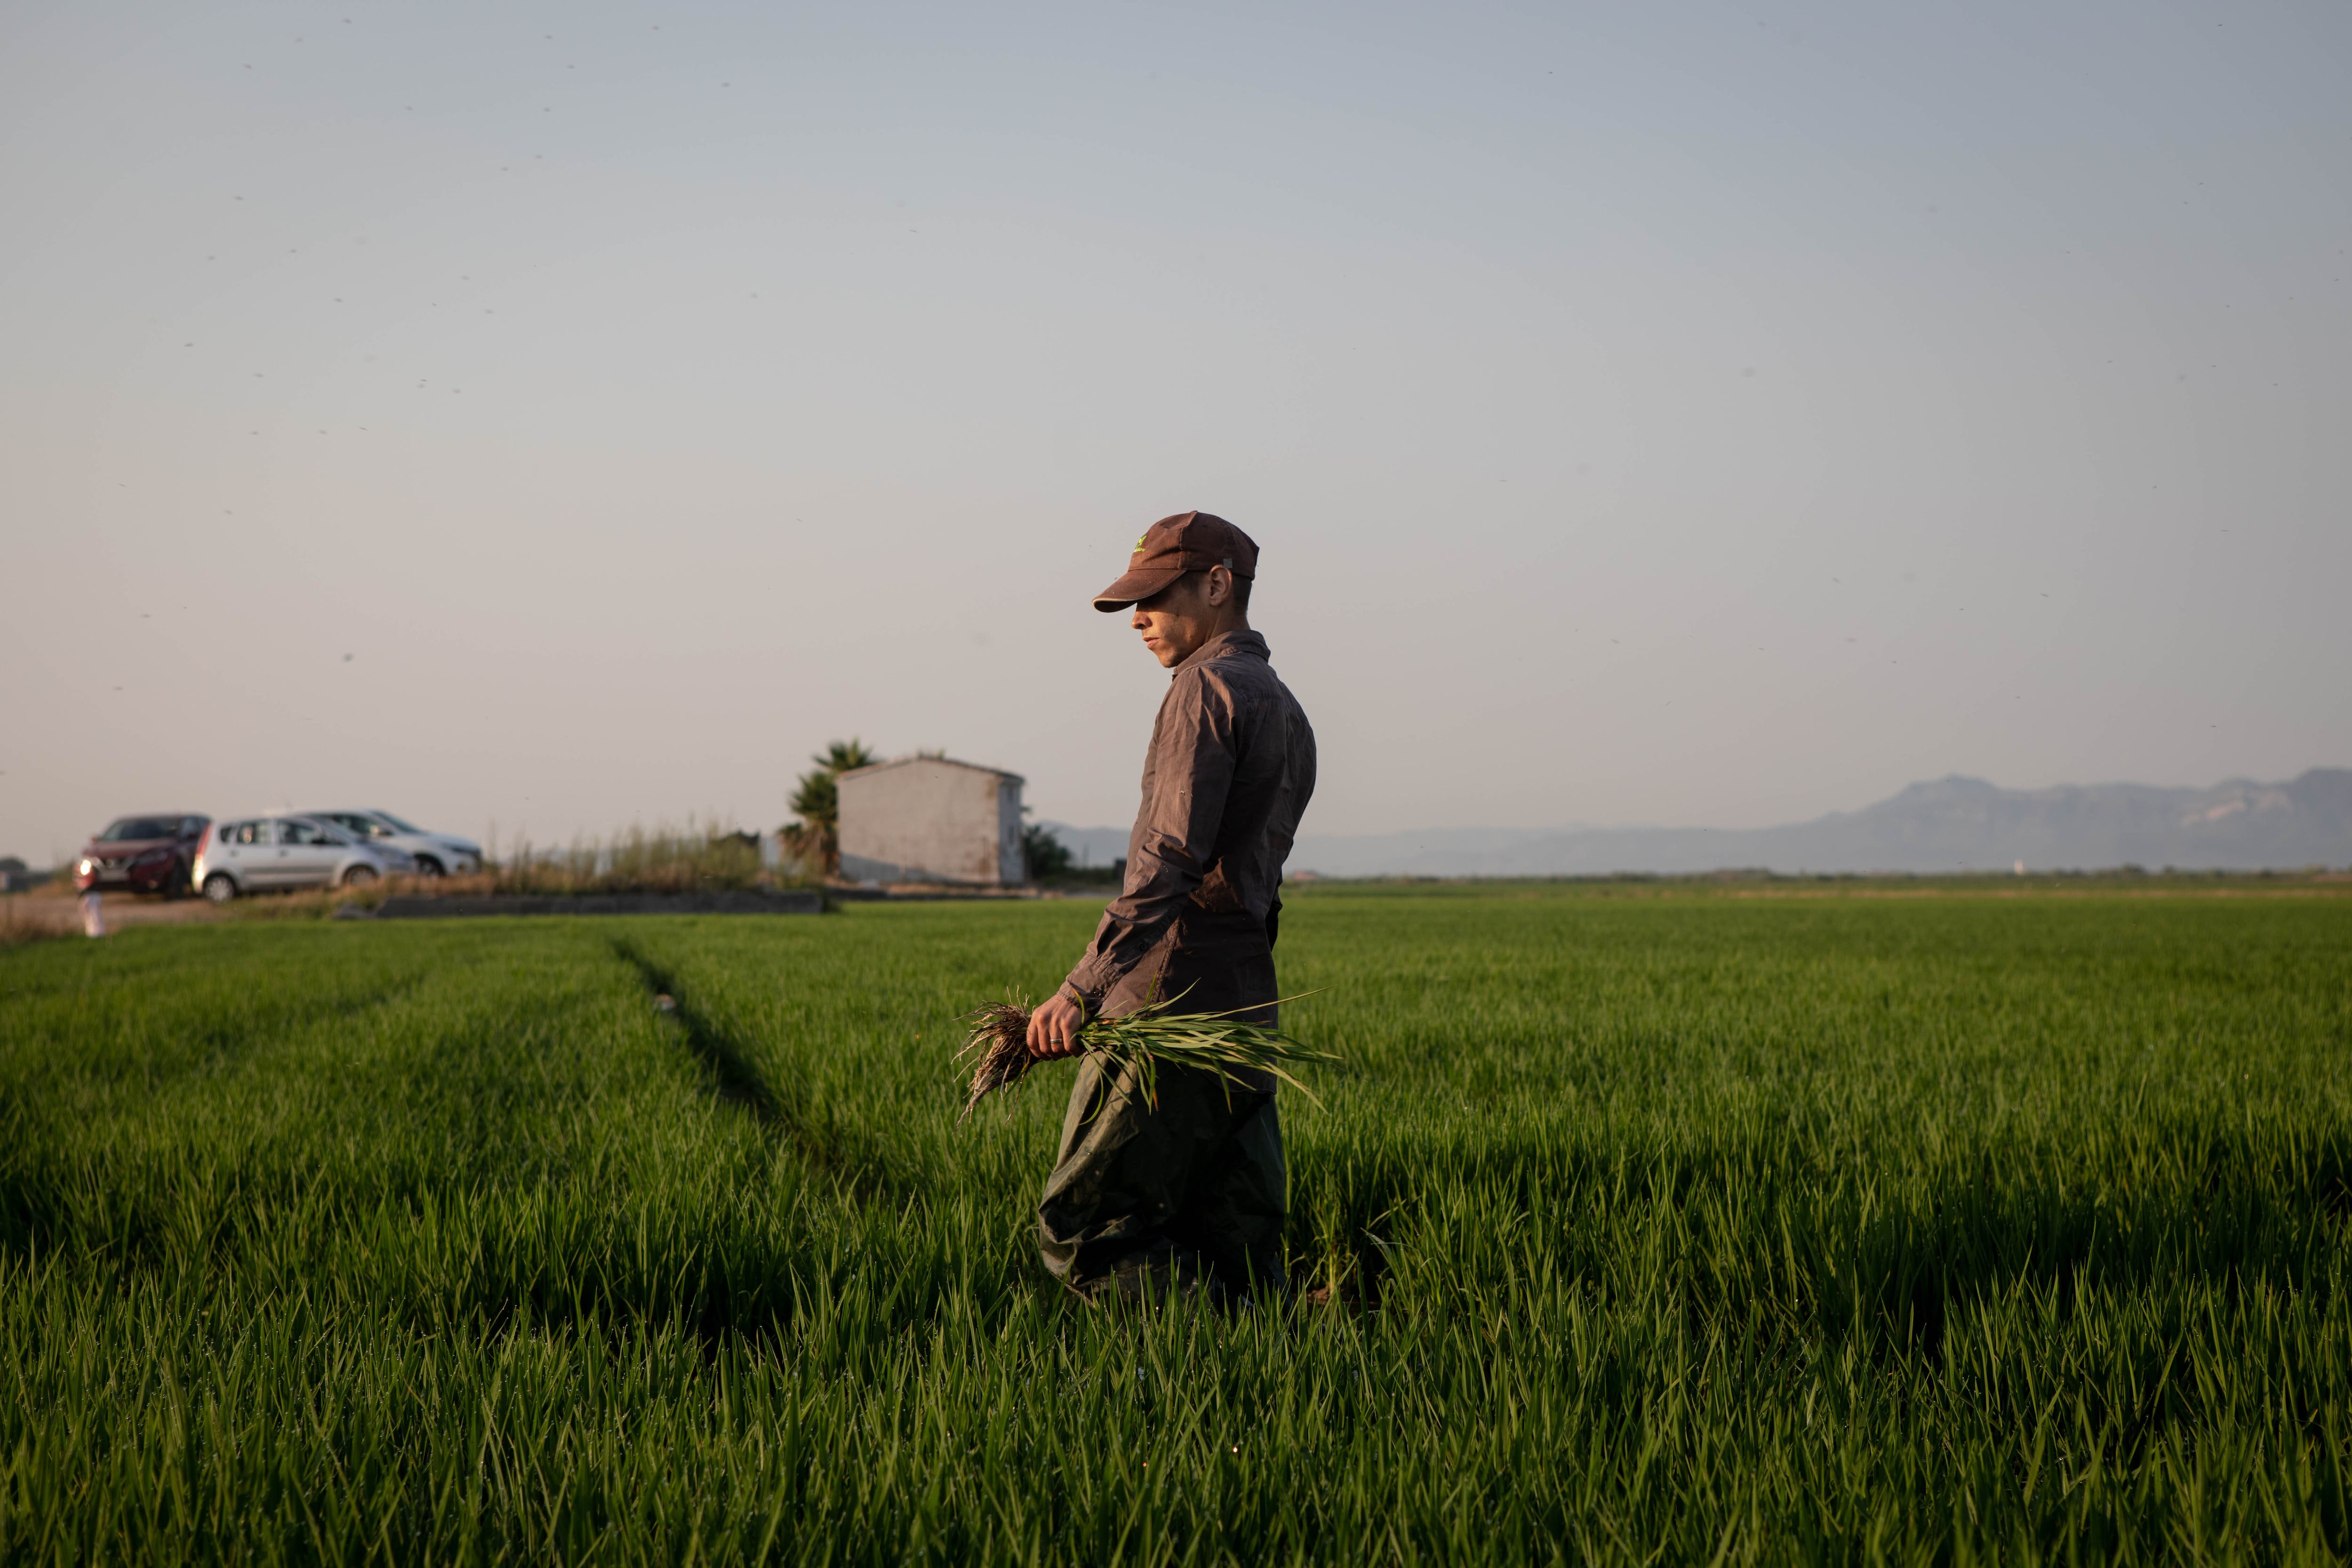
(143, 854)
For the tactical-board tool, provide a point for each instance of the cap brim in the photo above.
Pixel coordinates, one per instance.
(1136, 586)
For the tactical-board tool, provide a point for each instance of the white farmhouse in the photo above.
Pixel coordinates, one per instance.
(929, 819)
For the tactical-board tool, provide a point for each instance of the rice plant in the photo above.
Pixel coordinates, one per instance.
(1667, 1228)
(1151, 1036)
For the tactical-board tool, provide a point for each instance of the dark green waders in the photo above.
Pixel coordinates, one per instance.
(1187, 1194)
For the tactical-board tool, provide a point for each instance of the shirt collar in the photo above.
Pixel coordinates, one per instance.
(1225, 643)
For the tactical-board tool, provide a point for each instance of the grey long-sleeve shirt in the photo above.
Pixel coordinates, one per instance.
(1231, 768)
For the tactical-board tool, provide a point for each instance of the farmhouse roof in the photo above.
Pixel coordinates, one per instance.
(942, 761)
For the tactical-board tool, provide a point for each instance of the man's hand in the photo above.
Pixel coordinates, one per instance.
(1053, 1028)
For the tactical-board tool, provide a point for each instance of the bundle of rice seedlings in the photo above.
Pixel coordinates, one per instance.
(1146, 1039)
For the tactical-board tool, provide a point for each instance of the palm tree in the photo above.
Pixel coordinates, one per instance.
(1043, 854)
(815, 838)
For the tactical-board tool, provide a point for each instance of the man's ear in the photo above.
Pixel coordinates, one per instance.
(1220, 586)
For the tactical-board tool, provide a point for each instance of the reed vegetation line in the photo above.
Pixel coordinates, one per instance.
(640, 860)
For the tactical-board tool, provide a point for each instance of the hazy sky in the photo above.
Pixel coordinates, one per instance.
(573, 415)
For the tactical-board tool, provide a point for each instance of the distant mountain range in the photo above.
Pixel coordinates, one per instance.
(1951, 825)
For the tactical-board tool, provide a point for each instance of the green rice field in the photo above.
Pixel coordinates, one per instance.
(1675, 1228)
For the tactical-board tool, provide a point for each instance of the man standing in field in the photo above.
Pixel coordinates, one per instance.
(1187, 1193)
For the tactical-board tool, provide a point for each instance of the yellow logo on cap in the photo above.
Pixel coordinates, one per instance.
(1138, 542)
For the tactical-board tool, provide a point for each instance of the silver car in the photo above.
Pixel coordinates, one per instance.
(435, 853)
(258, 854)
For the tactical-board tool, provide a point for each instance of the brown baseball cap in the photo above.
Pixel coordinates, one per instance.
(1188, 541)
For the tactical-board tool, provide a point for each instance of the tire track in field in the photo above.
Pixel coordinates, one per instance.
(736, 1079)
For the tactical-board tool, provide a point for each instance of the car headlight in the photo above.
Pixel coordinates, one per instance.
(85, 866)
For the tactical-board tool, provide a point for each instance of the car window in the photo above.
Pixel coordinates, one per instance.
(293, 831)
(133, 827)
(248, 833)
(398, 824)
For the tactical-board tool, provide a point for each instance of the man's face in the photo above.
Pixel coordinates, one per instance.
(1187, 613)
